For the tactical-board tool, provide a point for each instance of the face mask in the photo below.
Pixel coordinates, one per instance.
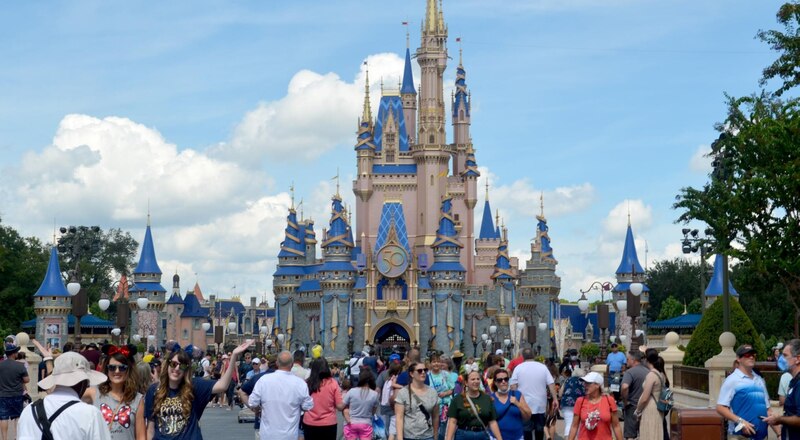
(782, 364)
(499, 391)
(574, 358)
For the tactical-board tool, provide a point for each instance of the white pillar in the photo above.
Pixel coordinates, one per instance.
(33, 360)
(672, 355)
(718, 364)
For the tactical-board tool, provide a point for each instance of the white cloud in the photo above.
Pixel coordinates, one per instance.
(641, 217)
(700, 162)
(318, 113)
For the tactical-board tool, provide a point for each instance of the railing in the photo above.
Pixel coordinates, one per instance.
(691, 378)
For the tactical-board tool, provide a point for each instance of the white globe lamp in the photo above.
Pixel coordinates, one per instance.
(623, 338)
(142, 303)
(622, 305)
(104, 304)
(116, 331)
(520, 325)
(232, 326)
(613, 338)
(484, 337)
(281, 337)
(151, 338)
(263, 329)
(542, 326)
(136, 338)
(492, 329)
(73, 287)
(636, 288)
(583, 304)
(506, 342)
(268, 342)
(206, 326)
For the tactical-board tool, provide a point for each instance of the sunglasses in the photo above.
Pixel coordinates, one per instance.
(500, 379)
(421, 370)
(116, 368)
(174, 365)
(749, 355)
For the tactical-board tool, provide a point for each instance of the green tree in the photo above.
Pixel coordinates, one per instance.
(763, 295)
(788, 44)
(678, 278)
(705, 339)
(670, 308)
(695, 307)
(22, 266)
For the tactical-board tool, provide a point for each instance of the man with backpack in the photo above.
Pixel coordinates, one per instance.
(62, 415)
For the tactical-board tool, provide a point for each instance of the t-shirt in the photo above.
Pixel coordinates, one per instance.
(206, 364)
(509, 417)
(404, 379)
(783, 386)
(415, 424)
(747, 397)
(372, 363)
(325, 400)
(532, 379)
(441, 383)
(634, 377)
(461, 411)
(12, 374)
(248, 388)
(604, 408)
(120, 417)
(363, 403)
(170, 424)
(792, 408)
(573, 388)
(300, 372)
(615, 361)
(514, 362)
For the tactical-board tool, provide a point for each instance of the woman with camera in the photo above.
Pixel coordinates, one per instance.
(416, 407)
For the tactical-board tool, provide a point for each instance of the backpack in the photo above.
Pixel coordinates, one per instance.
(41, 419)
(665, 400)
(387, 393)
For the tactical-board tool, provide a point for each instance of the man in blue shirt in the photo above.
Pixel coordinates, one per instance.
(790, 420)
(743, 398)
(616, 362)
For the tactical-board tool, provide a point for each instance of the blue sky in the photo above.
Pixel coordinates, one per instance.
(210, 110)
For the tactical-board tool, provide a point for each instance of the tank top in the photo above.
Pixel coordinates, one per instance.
(120, 418)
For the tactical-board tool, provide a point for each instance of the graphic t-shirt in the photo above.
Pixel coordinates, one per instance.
(170, 422)
(599, 416)
(119, 417)
(747, 398)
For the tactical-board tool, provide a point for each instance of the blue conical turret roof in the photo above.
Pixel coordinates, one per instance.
(52, 285)
(715, 285)
(470, 165)
(630, 260)
(446, 235)
(339, 233)
(461, 98)
(175, 298)
(488, 231)
(502, 266)
(147, 260)
(293, 244)
(408, 77)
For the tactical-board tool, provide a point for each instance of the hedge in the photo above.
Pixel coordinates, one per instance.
(705, 339)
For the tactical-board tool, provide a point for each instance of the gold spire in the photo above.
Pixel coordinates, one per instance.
(291, 189)
(431, 16)
(367, 114)
(487, 188)
(337, 182)
(541, 203)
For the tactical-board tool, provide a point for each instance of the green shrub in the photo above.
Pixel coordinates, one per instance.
(589, 351)
(705, 339)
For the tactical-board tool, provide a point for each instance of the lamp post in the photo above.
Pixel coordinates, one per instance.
(603, 315)
(77, 242)
(634, 290)
(692, 243)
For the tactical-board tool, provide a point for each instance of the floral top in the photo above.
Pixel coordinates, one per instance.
(573, 388)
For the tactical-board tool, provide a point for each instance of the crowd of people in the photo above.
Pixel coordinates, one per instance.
(113, 392)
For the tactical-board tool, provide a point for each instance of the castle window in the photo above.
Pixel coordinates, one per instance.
(196, 324)
(421, 218)
(185, 334)
(431, 179)
(455, 216)
(431, 139)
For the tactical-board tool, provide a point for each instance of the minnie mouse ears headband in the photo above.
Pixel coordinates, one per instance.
(129, 351)
(189, 349)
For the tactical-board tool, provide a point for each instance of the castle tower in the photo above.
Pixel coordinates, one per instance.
(461, 120)
(147, 284)
(714, 288)
(52, 305)
(465, 165)
(409, 97)
(365, 155)
(291, 258)
(173, 309)
(337, 276)
(446, 276)
(311, 242)
(630, 271)
(486, 245)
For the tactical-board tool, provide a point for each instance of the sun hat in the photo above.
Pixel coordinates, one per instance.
(457, 354)
(593, 377)
(70, 369)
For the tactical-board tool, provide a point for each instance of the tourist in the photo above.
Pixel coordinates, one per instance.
(510, 406)
(534, 380)
(472, 415)
(255, 369)
(226, 363)
(551, 414)
(630, 392)
(354, 366)
(440, 380)
(412, 356)
(790, 420)
(616, 361)
(244, 394)
(417, 407)
(595, 413)
(144, 374)
(174, 406)
(743, 398)
(361, 403)
(76, 420)
(118, 398)
(297, 368)
(651, 420)
(13, 377)
(281, 396)
(388, 391)
(572, 389)
(320, 421)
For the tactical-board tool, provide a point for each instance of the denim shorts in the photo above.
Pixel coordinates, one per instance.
(11, 407)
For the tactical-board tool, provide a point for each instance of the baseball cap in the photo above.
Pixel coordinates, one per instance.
(394, 357)
(499, 351)
(256, 361)
(593, 377)
(11, 348)
(70, 369)
(744, 349)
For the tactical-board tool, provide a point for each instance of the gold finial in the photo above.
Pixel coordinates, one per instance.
(487, 188)
(337, 182)
(497, 217)
(629, 212)
(431, 16)
(291, 189)
(367, 114)
(301, 208)
(541, 203)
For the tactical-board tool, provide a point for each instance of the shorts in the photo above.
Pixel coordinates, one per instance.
(393, 425)
(631, 425)
(535, 423)
(11, 407)
(360, 431)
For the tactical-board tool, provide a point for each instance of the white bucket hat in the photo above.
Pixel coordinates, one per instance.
(70, 369)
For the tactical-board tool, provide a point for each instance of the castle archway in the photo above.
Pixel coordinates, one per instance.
(391, 335)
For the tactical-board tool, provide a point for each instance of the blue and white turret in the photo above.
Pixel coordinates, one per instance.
(337, 248)
(52, 304)
(147, 284)
(408, 96)
(502, 266)
(714, 288)
(447, 270)
(630, 271)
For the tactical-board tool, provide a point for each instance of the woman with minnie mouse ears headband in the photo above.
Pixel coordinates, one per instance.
(118, 398)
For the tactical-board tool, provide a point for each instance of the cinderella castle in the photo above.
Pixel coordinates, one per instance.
(414, 269)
